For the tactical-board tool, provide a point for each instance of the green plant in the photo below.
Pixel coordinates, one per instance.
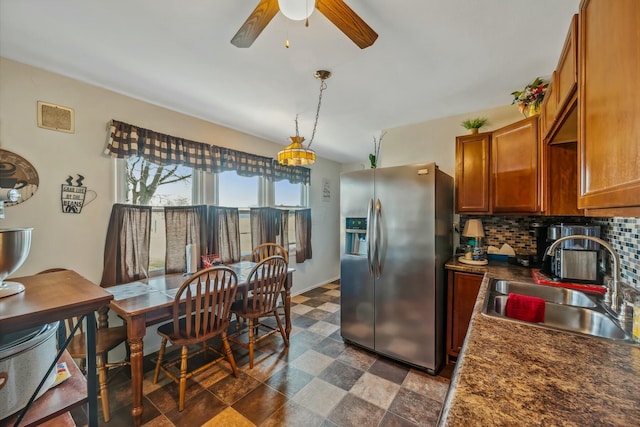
(476, 123)
(375, 156)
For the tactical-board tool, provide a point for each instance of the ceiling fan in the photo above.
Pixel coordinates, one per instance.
(336, 11)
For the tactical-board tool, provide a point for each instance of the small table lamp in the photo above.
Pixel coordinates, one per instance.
(473, 228)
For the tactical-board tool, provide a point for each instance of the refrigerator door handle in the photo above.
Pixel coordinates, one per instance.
(378, 240)
(369, 236)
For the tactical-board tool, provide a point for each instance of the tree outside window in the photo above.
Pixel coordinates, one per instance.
(151, 184)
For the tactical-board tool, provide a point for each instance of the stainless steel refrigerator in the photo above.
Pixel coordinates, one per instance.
(396, 235)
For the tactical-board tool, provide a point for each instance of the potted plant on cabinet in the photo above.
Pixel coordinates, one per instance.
(474, 124)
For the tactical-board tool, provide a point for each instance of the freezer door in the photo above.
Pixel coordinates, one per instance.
(356, 274)
(405, 292)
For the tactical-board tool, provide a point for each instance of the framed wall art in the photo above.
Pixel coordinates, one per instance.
(55, 117)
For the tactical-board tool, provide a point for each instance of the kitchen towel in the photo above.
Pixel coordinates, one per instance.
(526, 308)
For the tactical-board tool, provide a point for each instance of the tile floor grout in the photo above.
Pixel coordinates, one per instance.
(318, 381)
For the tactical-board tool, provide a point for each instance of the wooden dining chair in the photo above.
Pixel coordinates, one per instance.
(260, 297)
(265, 250)
(106, 340)
(206, 299)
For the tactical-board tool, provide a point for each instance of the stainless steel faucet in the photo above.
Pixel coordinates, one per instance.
(614, 292)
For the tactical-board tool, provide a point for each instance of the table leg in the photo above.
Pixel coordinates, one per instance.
(91, 370)
(135, 333)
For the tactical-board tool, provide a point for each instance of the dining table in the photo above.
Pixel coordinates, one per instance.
(150, 301)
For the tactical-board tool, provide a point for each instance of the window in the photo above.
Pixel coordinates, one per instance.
(144, 183)
(288, 195)
(240, 192)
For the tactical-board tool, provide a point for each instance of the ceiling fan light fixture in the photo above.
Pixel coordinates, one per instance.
(297, 10)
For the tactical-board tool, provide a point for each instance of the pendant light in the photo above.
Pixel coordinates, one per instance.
(295, 154)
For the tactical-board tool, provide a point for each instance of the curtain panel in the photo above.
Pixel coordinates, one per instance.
(126, 140)
(126, 248)
(303, 235)
(269, 225)
(223, 229)
(184, 225)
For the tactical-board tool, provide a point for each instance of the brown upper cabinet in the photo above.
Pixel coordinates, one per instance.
(514, 168)
(609, 108)
(558, 112)
(587, 159)
(498, 172)
(472, 173)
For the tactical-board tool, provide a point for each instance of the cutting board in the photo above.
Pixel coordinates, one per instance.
(542, 279)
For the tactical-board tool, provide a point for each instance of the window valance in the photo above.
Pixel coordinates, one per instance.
(126, 140)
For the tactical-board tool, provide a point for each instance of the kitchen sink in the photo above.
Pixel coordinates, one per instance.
(565, 309)
(548, 293)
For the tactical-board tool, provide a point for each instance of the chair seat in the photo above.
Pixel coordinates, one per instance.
(168, 331)
(106, 340)
(239, 308)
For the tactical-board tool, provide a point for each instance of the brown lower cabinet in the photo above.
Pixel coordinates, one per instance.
(462, 292)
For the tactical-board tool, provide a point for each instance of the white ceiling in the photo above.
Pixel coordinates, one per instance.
(433, 58)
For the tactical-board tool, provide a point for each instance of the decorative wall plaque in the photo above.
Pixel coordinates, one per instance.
(74, 196)
(55, 117)
(19, 174)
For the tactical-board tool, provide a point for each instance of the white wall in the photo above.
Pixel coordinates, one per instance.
(77, 241)
(434, 140)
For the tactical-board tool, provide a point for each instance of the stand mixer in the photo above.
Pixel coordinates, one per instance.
(15, 244)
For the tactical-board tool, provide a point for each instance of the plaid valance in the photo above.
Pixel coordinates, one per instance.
(126, 140)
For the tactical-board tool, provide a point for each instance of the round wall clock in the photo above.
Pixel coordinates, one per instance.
(19, 174)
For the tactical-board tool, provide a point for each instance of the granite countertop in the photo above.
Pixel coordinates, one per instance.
(513, 374)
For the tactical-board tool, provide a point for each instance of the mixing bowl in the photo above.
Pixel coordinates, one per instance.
(15, 244)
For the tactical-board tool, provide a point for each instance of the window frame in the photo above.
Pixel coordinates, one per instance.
(205, 191)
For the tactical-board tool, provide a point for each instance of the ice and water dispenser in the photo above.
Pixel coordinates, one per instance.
(356, 236)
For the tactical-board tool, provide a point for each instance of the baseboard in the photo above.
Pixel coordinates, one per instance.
(298, 292)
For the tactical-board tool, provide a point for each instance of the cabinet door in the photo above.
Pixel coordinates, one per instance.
(472, 173)
(609, 107)
(549, 108)
(566, 74)
(462, 294)
(561, 183)
(514, 168)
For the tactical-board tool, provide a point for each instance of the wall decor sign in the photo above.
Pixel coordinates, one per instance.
(326, 190)
(17, 173)
(55, 117)
(75, 196)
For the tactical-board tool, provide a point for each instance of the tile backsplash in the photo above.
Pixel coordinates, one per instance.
(622, 233)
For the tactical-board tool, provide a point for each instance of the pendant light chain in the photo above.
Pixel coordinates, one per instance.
(323, 86)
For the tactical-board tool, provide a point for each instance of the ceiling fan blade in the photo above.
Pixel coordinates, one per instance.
(255, 23)
(347, 21)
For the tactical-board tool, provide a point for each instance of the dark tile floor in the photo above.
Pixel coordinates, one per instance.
(317, 381)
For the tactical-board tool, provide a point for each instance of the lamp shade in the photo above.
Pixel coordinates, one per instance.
(473, 228)
(297, 10)
(295, 154)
